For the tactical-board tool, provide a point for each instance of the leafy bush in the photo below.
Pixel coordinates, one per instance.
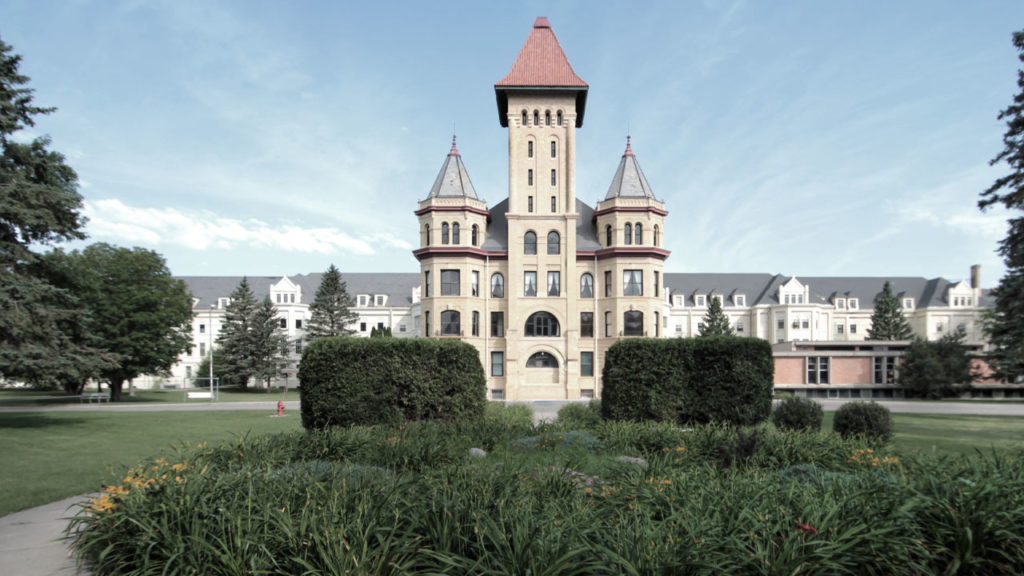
(365, 381)
(717, 379)
(868, 419)
(579, 416)
(798, 413)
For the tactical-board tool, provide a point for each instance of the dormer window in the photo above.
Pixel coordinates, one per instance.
(841, 303)
(379, 299)
(700, 300)
(223, 302)
(793, 298)
(739, 300)
(677, 300)
(363, 301)
(854, 304)
(908, 303)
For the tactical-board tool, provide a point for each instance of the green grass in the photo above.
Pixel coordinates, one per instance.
(48, 456)
(951, 434)
(17, 398)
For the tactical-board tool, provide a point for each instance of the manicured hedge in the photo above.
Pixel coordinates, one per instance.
(363, 381)
(720, 379)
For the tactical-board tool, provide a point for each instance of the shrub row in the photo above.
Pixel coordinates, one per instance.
(720, 379)
(362, 381)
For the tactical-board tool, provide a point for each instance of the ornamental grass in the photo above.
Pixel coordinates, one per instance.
(548, 500)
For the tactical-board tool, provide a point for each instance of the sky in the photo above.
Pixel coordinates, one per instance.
(265, 138)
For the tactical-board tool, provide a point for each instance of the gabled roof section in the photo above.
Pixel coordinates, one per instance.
(629, 180)
(541, 65)
(453, 180)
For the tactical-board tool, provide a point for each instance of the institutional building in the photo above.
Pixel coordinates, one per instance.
(542, 283)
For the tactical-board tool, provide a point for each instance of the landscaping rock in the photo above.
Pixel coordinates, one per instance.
(633, 460)
(477, 453)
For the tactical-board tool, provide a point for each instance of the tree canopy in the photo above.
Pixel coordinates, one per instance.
(251, 341)
(888, 321)
(715, 323)
(938, 369)
(39, 205)
(1005, 327)
(331, 310)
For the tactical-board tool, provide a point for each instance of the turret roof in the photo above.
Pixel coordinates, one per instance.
(453, 179)
(629, 180)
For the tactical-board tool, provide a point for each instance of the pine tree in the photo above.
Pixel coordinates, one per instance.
(234, 361)
(269, 343)
(1005, 327)
(331, 310)
(716, 323)
(39, 204)
(887, 321)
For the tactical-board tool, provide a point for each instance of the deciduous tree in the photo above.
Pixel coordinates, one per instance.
(936, 369)
(888, 321)
(331, 310)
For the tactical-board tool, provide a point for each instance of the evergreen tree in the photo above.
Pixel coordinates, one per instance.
(331, 310)
(938, 369)
(888, 321)
(716, 323)
(269, 343)
(235, 365)
(39, 204)
(1005, 327)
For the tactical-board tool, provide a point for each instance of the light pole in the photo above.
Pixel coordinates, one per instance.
(210, 340)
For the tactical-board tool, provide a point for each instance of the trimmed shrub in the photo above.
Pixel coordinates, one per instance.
(579, 416)
(720, 379)
(364, 381)
(869, 419)
(797, 413)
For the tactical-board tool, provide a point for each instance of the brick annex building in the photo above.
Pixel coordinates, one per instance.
(542, 283)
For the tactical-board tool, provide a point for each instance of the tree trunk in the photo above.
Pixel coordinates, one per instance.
(115, 389)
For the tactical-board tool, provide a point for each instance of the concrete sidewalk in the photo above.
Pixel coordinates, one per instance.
(31, 541)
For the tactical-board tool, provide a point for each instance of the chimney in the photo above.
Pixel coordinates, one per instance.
(976, 276)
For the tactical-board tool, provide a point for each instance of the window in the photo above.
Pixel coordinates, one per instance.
(554, 178)
(839, 328)
(781, 324)
(530, 243)
(657, 282)
(853, 303)
(739, 300)
(529, 178)
(449, 282)
(298, 324)
(497, 285)
(817, 370)
(530, 283)
(426, 230)
(401, 327)
(633, 323)
(554, 204)
(586, 286)
(476, 235)
(586, 364)
(628, 235)
(886, 370)
(841, 303)
(559, 117)
(554, 283)
(805, 324)
(541, 324)
(450, 323)
(426, 324)
(455, 233)
(632, 283)
(908, 303)
(638, 234)
(554, 243)
(378, 300)
(607, 324)
(223, 302)
(475, 328)
(202, 349)
(657, 325)
(277, 298)
(853, 329)
(529, 149)
(656, 238)
(284, 322)
(586, 324)
(524, 118)
(474, 283)
(426, 284)
(497, 363)
(607, 283)
(529, 204)
(363, 300)
(298, 346)
(202, 328)
(498, 324)
(542, 360)
(444, 233)
(700, 300)
(938, 327)
(554, 147)
(547, 118)
(739, 326)
(607, 236)
(362, 325)
(536, 118)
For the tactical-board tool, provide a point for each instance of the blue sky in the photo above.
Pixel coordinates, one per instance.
(265, 138)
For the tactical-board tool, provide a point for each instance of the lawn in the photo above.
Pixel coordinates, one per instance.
(16, 398)
(48, 456)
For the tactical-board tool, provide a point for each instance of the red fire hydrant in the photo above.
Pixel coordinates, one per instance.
(280, 407)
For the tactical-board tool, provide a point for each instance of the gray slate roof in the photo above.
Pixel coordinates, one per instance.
(453, 179)
(629, 180)
(397, 286)
(497, 229)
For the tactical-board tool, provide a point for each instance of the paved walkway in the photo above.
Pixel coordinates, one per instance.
(30, 540)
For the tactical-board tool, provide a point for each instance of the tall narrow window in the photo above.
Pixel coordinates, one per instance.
(529, 149)
(455, 233)
(530, 243)
(638, 234)
(554, 243)
(524, 118)
(450, 323)
(559, 117)
(547, 118)
(586, 286)
(536, 118)
(449, 282)
(632, 283)
(554, 148)
(657, 283)
(476, 323)
(586, 364)
(530, 283)
(426, 230)
(586, 324)
(498, 362)
(476, 235)
(633, 323)
(628, 236)
(444, 233)
(529, 204)
(426, 323)
(554, 283)
(498, 324)
(607, 236)
(554, 204)
(426, 284)
(607, 324)
(554, 177)
(529, 177)
(657, 325)
(497, 285)
(656, 239)
(607, 283)
(475, 283)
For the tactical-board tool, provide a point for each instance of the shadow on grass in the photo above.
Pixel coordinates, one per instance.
(36, 420)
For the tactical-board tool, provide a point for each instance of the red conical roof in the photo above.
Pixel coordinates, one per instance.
(541, 62)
